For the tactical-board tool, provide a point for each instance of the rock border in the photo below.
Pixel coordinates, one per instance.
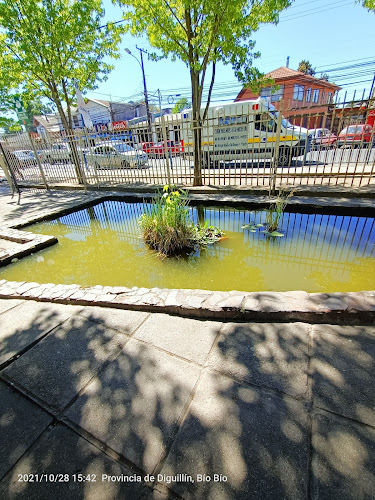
(348, 308)
(27, 243)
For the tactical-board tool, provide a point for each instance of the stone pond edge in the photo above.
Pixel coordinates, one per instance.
(348, 308)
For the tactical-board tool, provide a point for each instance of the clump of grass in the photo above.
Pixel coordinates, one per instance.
(276, 211)
(168, 228)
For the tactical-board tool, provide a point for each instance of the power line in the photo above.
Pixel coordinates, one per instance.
(315, 11)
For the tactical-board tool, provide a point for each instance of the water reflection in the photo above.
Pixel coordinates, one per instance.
(318, 252)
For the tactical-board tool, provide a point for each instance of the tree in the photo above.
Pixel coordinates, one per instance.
(49, 43)
(369, 4)
(306, 67)
(325, 77)
(181, 104)
(202, 33)
(9, 125)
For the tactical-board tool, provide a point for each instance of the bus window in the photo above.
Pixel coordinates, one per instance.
(264, 123)
(233, 120)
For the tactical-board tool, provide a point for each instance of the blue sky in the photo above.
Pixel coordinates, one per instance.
(331, 35)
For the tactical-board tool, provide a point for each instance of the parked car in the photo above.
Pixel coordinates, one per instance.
(321, 138)
(109, 155)
(356, 135)
(58, 153)
(22, 158)
(157, 150)
(148, 147)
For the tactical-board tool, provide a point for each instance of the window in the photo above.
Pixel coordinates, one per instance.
(298, 92)
(308, 95)
(322, 96)
(233, 120)
(315, 95)
(264, 123)
(275, 94)
(329, 97)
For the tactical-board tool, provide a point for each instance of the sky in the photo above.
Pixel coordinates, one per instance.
(334, 36)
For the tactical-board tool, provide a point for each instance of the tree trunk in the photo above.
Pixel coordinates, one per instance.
(72, 144)
(197, 128)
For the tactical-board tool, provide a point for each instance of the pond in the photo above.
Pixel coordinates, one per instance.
(102, 245)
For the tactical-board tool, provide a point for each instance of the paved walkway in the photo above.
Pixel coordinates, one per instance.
(94, 399)
(101, 403)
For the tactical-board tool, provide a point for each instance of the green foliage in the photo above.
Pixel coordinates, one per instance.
(273, 217)
(9, 125)
(46, 44)
(181, 104)
(306, 67)
(202, 33)
(369, 4)
(168, 228)
(276, 211)
(324, 77)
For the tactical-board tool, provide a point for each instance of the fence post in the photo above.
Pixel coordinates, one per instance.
(38, 161)
(11, 178)
(276, 152)
(163, 126)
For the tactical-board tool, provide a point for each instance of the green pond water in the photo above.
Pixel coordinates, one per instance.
(102, 245)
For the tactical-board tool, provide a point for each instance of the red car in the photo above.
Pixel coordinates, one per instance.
(356, 135)
(158, 150)
(321, 138)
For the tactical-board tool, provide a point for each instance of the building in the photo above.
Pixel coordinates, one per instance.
(47, 124)
(105, 113)
(305, 98)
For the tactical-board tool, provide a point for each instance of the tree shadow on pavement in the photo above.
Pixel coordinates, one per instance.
(238, 427)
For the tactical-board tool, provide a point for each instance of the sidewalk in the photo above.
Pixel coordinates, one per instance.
(94, 399)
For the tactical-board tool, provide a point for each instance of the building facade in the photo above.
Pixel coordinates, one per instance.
(305, 99)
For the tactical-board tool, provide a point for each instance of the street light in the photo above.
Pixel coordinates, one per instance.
(144, 83)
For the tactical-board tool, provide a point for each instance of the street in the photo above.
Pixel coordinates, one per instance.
(351, 165)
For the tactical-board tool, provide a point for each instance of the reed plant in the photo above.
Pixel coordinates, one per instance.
(273, 217)
(276, 211)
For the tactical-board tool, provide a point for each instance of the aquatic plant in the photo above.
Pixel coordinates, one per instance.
(276, 211)
(168, 228)
(273, 217)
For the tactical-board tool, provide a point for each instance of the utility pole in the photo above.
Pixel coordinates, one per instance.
(144, 83)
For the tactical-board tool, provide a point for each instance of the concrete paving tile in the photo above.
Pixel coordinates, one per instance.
(249, 443)
(21, 422)
(61, 364)
(190, 338)
(134, 404)
(343, 459)
(64, 455)
(117, 319)
(6, 304)
(343, 369)
(270, 354)
(28, 321)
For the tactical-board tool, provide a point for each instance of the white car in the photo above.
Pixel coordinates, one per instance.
(109, 155)
(58, 153)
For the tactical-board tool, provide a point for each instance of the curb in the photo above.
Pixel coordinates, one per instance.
(335, 308)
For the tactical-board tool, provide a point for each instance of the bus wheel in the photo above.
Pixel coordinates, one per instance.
(285, 156)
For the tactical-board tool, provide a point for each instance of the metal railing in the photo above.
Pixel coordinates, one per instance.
(242, 144)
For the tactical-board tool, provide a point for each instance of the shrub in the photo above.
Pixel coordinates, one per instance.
(168, 228)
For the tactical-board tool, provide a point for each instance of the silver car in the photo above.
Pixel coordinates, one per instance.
(25, 157)
(120, 155)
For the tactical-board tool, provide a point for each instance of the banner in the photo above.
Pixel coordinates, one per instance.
(82, 108)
